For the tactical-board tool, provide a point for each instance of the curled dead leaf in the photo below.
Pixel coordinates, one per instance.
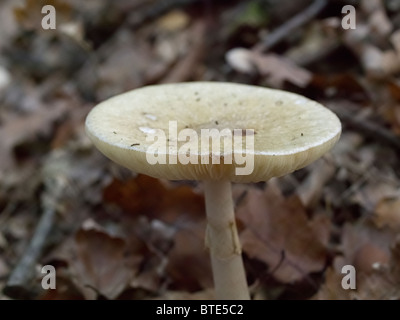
(155, 199)
(189, 261)
(100, 264)
(276, 227)
(276, 68)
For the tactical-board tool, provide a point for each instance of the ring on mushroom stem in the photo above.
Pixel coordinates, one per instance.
(289, 132)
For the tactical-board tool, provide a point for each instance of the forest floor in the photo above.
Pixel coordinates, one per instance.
(112, 234)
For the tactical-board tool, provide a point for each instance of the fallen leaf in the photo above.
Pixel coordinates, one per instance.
(371, 194)
(332, 288)
(384, 282)
(150, 197)
(377, 268)
(158, 237)
(275, 68)
(279, 69)
(278, 232)
(100, 264)
(25, 129)
(189, 262)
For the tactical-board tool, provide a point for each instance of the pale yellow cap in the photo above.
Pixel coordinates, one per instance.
(289, 131)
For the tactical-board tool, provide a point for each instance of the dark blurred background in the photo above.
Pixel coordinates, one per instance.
(112, 234)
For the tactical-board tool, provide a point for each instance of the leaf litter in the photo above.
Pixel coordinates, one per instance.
(118, 235)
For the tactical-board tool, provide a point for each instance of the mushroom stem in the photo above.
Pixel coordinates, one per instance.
(223, 241)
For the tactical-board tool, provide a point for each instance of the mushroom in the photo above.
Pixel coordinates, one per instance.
(164, 131)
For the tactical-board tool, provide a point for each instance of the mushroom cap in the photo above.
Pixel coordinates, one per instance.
(273, 132)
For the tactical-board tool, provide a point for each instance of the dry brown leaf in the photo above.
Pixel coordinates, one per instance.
(136, 195)
(377, 268)
(384, 282)
(381, 282)
(279, 69)
(26, 128)
(150, 279)
(122, 65)
(149, 196)
(175, 218)
(189, 261)
(369, 195)
(377, 286)
(100, 264)
(158, 237)
(278, 232)
(332, 289)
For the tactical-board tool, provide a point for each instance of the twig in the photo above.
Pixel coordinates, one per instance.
(17, 286)
(368, 128)
(294, 23)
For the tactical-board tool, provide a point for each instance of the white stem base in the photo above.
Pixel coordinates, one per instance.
(223, 240)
